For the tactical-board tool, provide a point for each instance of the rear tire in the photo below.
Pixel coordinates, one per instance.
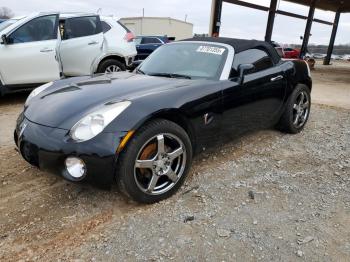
(297, 110)
(155, 162)
(110, 66)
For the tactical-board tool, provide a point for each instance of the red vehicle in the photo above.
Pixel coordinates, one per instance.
(291, 53)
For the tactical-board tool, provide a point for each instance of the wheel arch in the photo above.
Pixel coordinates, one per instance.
(173, 115)
(302, 74)
(106, 57)
(306, 81)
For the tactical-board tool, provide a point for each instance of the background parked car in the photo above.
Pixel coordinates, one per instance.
(291, 52)
(121, 46)
(346, 57)
(2, 20)
(337, 57)
(33, 52)
(309, 55)
(319, 56)
(145, 45)
(278, 48)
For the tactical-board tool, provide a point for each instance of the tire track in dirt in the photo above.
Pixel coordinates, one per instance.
(67, 239)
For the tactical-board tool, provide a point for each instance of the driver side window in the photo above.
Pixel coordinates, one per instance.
(259, 58)
(39, 29)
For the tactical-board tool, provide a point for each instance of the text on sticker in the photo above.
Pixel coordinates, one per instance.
(211, 50)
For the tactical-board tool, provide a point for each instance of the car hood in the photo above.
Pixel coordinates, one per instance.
(67, 101)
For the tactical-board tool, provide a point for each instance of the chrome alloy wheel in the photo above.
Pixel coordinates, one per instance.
(160, 163)
(301, 109)
(112, 69)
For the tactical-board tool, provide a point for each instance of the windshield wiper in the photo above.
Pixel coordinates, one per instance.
(171, 75)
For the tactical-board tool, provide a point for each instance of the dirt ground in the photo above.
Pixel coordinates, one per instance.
(267, 196)
(332, 88)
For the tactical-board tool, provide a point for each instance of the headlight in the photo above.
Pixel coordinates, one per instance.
(37, 91)
(94, 123)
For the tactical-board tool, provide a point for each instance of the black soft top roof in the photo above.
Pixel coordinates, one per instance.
(241, 45)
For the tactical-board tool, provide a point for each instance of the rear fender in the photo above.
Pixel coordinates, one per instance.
(104, 56)
(302, 73)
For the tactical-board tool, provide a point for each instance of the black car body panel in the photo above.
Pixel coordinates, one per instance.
(190, 98)
(91, 93)
(47, 148)
(208, 110)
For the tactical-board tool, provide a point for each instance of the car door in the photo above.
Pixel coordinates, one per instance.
(81, 44)
(29, 56)
(147, 46)
(256, 102)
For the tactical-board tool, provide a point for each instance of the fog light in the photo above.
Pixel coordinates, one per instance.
(75, 167)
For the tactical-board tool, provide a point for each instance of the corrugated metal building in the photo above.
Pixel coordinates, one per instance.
(159, 26)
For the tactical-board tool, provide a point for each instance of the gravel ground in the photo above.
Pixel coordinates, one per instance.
(267, 196)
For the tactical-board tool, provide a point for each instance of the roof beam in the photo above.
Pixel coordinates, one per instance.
(215, 18)
(281, 12)
(322, 21)
(307, 32)
(270, 20)
(327, 5)
(327, 59)
(246, 4)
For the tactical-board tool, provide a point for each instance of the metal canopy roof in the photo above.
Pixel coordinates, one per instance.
(328, 5)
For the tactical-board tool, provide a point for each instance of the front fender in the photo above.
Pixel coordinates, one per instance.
(137, 114)
(184, 106)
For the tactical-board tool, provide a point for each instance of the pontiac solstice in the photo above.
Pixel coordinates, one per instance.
(141, 129)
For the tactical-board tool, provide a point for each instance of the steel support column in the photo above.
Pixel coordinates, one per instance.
(327, 59)
(215, 19)
(270, 20)
(308, 28)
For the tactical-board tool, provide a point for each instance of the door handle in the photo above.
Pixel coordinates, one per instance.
(276, 78)
(46, 50)
(93, 43)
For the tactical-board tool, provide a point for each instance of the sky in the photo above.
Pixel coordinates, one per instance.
(237, 21)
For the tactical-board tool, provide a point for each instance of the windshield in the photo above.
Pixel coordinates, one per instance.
(190, 60)
(7, 23)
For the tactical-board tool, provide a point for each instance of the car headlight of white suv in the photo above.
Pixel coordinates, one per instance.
(94, 123)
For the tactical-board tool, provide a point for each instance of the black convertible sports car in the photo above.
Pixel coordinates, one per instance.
(143, 128)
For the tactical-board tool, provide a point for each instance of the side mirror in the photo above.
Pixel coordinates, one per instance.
(242, 69)
(4, 39)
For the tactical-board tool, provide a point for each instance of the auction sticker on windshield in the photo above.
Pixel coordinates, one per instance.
(211, 50)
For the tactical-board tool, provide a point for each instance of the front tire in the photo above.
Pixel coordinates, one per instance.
(297, 111)
(155, 162)
(111, 66)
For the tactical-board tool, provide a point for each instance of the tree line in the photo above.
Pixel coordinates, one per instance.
(5, 12)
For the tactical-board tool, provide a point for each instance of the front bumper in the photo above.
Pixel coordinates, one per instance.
(47, 148)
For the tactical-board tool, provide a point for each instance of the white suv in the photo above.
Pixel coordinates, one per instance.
(48, 46)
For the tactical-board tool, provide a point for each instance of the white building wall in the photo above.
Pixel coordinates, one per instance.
(159, 26)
